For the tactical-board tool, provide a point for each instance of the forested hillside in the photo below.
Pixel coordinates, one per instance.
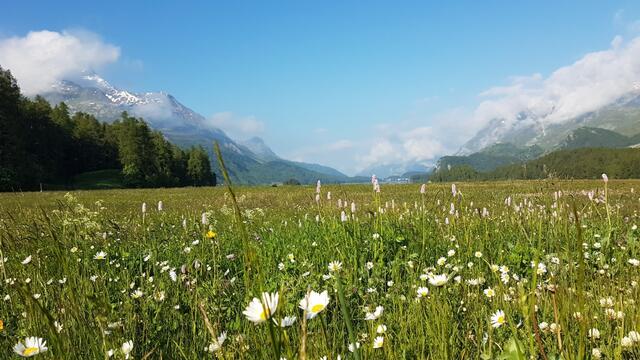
(585, 163)
(493, 157)
(44, 146)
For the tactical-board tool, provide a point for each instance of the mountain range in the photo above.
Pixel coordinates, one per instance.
(503, 141)
(248, 162)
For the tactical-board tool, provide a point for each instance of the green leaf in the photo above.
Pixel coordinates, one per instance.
(511, 350)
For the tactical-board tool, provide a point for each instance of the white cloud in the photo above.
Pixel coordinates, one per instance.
(595, 80)
(421, 144)
(400, 146)
(41, 58)
(237, 126)
(405, 142)
(161, 110)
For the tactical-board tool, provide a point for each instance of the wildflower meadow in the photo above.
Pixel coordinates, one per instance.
(497, 270)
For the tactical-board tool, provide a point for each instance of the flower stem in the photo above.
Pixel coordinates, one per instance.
(347, 317)
(276, 345)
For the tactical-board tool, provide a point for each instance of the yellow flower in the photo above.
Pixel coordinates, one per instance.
(211, 234)
(1, 325)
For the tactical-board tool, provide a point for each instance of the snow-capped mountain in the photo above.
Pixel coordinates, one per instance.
(251, 162)
(528, 128)
(117, 96)
(93, 94)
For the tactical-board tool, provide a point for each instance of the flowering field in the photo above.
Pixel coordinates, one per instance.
(520, 270)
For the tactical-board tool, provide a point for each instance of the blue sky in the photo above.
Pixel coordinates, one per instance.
(325, 81)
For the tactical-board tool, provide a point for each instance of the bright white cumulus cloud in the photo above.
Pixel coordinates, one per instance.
(40, 58)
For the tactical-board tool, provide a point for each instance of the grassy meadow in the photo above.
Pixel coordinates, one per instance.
(496, 270)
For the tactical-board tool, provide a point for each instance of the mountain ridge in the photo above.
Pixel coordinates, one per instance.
(184, 127)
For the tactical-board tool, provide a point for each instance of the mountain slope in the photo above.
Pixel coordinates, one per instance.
(585, 163)
(320, 169)
(257, 146)
(251, 162)
(595, 137)
(492, 157)
(264, 154)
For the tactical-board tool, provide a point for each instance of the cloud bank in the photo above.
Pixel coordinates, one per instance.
(595, 80)
(41, 58)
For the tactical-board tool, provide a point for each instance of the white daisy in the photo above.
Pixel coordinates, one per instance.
(287, 321)
(217, 344)
(498, 319)
(422, 291)
(438, 280)
(489, 292)
(314, 303)
(32, 346)
(334, 266)
(376, 314)
(378, 342)
(126, 348)
(259, 311)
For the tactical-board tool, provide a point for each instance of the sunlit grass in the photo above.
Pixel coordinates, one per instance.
(498, 269)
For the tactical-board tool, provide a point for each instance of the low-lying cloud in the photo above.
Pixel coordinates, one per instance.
(41, 58)
(238, 127)
(161, 111)
(595, 80)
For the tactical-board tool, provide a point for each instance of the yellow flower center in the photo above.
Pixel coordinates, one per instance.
(263, 315)
(500, 320)
(1, 325)
(211, 234)
(30, 351)
(317, 308)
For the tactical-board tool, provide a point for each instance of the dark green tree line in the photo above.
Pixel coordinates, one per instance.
(585, 163)
(41, 144)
